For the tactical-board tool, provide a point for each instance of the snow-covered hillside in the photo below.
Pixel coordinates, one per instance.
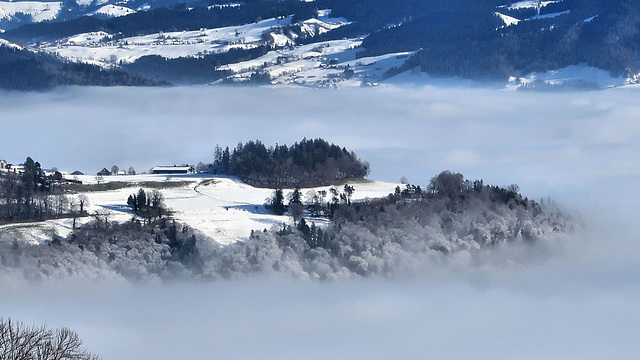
(223, 208)
(101, 48)
(37, 11)
(327, 63)
(112, 11)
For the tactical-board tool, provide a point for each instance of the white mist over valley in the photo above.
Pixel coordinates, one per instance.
(573, 297)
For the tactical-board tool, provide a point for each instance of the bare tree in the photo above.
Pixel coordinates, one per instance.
(83, 201)
(18, 341)
(514, 188)
(114, 170)
(60, 203)
(102, 218)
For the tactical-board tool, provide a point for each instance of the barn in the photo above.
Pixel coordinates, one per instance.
(174, 169)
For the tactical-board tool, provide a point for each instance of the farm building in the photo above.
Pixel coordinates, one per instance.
(17, 169)
(175, 169)
(104, 172)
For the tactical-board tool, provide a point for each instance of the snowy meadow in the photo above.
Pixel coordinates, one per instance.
(573, 298)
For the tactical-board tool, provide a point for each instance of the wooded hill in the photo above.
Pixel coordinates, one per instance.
(307, 163)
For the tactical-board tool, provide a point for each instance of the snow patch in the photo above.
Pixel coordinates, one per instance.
(508, 20)
(590, 19)
(222, 6)
(550, 16)
(6, 43)
(112, 11)
(84, 2)
(531, 4)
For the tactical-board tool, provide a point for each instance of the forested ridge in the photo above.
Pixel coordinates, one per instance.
(25, 70)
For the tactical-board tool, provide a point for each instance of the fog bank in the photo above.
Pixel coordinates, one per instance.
(575, 298)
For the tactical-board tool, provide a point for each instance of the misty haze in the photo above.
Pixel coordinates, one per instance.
(571, 296)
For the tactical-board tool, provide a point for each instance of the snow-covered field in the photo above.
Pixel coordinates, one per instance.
(223, 208)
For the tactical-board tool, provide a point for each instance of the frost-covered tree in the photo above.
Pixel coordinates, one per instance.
(296, 208)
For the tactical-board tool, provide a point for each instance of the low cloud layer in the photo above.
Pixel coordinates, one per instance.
(576, 298)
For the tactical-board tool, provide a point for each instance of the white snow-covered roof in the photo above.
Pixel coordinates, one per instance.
(172, 167)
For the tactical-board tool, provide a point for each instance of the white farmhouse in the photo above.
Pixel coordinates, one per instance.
(18, 169)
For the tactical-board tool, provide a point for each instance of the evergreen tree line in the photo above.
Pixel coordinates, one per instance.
(307, 163)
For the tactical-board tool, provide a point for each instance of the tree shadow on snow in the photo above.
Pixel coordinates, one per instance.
(119, 208)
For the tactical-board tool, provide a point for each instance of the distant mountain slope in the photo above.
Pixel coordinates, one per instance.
(337, 42)
(16, 13)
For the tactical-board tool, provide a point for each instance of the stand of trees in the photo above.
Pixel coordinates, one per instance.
(149, 206)
(103, 249)
(30, 195)
(307, 163)
(408, 229)
(34, 196)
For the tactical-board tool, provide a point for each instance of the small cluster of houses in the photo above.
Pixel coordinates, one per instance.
(161, 169)
(6, 167)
